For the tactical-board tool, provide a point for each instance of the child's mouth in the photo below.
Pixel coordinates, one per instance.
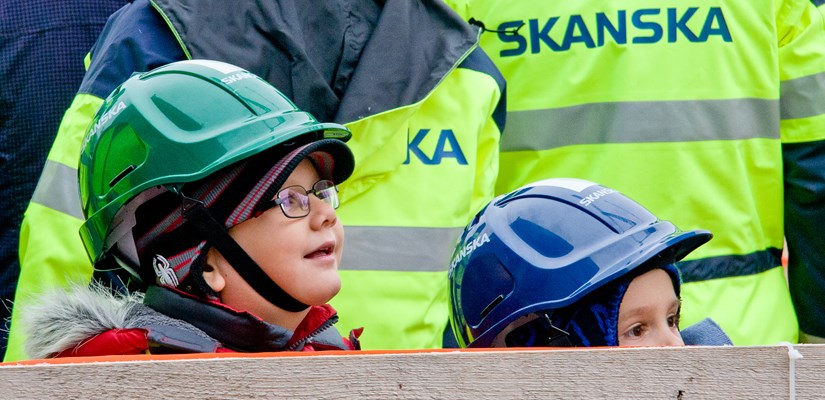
(323, 251)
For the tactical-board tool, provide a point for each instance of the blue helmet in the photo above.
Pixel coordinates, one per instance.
(546, 245)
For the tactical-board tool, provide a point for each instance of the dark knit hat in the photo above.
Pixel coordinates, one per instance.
(594, 320)
(167, 246)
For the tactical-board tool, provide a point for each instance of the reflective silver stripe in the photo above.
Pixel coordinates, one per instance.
(58, 189)
(641, 122)
(803, 97)
(398, 248)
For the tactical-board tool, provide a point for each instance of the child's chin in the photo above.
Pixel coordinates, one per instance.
(323, 296)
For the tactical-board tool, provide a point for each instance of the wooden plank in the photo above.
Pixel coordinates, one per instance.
(666, 373)
(809, 374)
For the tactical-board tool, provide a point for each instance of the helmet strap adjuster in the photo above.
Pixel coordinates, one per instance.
(539, 332)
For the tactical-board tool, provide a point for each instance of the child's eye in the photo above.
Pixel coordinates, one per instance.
(636, 331)
(673, 321)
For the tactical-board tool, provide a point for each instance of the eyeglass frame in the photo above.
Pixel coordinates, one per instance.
(277, 201)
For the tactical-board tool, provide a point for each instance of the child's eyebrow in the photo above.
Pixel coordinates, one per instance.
(676, 303)
(639, 311)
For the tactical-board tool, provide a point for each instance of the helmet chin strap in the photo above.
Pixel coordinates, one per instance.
(539, 332)
(196, 213)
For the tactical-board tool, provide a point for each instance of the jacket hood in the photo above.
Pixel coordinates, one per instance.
(63, 319)
(358, 59)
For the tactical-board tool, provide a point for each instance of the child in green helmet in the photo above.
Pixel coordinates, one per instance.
(219, 196)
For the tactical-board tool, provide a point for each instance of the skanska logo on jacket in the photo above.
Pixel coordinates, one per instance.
(649, 25)
(446, 147)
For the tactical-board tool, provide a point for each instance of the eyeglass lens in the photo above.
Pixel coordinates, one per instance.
(294, 200)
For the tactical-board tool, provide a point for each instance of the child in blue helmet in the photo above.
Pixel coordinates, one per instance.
(567, 262)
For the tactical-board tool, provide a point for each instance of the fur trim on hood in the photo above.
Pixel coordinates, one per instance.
(64, 319)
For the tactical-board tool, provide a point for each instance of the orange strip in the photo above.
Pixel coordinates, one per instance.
(200, 356)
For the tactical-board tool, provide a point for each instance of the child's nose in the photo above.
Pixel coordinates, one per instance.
(321, 213)
(670, 338)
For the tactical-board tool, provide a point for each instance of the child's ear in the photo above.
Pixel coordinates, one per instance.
(212, 271)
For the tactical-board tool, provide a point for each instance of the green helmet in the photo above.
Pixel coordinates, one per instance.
(177, 124)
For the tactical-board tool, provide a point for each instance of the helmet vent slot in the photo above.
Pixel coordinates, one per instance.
(121, 175)
(492, 305)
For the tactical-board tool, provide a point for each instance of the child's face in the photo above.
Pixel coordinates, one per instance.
(300, 254)
(649, 312)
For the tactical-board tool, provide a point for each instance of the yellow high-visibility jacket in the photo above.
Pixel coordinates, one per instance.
(711, 113)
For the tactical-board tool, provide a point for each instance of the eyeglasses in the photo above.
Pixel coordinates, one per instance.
(294, 200)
